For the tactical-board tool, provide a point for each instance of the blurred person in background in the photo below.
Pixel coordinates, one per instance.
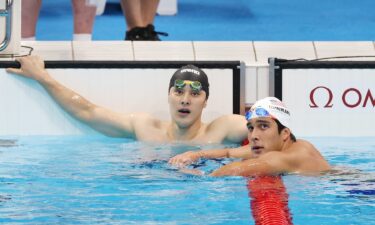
(83, 13)
(139, 16)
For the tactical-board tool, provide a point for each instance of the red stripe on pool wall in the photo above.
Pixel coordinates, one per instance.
(269, 201)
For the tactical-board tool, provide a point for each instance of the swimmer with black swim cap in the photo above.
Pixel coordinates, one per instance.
(187, 97)
(192, 75)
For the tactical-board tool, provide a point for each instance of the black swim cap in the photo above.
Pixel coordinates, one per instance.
(193, 73)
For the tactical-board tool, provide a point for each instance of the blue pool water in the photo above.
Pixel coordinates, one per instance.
(99, 180)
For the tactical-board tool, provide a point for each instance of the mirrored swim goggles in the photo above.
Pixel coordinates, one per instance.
(196, 86)
(258, 112)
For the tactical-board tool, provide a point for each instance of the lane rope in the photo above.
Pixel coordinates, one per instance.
(269, 201)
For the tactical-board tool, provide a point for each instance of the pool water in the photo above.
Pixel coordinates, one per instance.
(99, 180)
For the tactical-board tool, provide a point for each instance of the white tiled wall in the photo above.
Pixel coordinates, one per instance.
(326, 49)
(102, 50)
(224, 51)
(51, 50)
(283, 49)
(166, 50)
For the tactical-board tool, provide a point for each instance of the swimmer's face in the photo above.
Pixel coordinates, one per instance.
(264, 136)
(186, 105)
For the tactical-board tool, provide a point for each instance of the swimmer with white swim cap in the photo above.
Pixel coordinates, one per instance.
(272, 149)
(273, 108)
(187, 96)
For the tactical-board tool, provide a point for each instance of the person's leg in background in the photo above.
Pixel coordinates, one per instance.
(139, 16)
(132, 13)
(148, 11)
(30, 13)
(84, 17)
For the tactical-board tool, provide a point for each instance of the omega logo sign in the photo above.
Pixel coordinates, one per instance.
(351, 98)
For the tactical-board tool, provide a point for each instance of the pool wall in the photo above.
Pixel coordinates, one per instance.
(254, 54)
(28, 110)
(328, 98)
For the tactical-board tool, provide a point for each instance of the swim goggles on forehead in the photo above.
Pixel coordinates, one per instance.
(259, 112)
(195, 85)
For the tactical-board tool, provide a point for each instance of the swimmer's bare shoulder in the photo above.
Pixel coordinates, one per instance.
(306, 157)
(231, 127)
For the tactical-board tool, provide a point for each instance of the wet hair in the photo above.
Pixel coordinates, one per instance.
(280, 127)
(193, 73)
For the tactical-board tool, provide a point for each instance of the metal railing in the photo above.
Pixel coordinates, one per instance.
(7, 13)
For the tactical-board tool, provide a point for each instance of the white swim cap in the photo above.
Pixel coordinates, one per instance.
(270, 107)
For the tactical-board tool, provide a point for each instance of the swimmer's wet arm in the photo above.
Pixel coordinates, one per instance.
(99, 118)
(189, 157)
(237, 129)
(242, 152)
(253, 167)
(231, 127)
(245, 168)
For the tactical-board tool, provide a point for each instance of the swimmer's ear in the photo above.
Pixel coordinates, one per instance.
(285, 134)
(169, 96)
(205, 103)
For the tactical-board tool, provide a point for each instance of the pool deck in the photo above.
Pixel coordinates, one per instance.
(252, 53)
